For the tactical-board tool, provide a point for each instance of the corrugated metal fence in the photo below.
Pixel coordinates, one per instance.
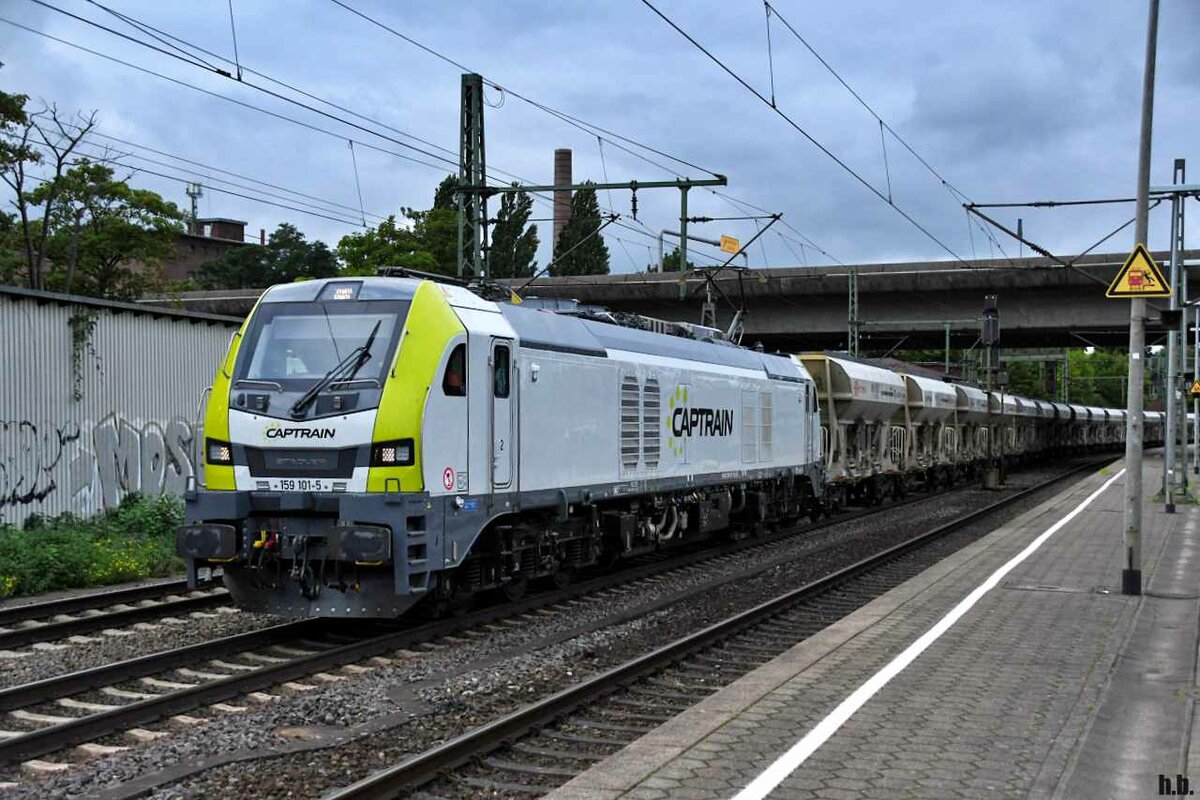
(98, 399)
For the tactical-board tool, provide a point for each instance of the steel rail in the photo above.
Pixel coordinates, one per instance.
(424, 767)
(76, 626)
(13, 613)
(72, 683)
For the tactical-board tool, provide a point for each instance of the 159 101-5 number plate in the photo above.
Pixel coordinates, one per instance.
(301, 485)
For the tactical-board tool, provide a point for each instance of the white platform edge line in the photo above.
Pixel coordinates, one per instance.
(791, 760)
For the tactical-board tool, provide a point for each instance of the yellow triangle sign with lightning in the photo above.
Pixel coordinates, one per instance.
(1195, 389)
(1139, 277)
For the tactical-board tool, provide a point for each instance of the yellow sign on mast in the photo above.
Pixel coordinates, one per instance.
(1139, 277)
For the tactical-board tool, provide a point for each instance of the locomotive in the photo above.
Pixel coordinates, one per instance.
(371, 444)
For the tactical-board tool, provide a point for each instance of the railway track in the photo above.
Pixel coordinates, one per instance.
(539, 747)
(62, 618)
(102, 710)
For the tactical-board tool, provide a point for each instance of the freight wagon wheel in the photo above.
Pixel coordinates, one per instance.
(515, 589)
(562, 578)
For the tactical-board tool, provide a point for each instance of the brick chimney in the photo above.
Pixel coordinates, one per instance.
(562, 200)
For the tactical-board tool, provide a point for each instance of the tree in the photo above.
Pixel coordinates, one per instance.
(514, 246)
(671, 261)
(47, 138)
(581, 250)
(104, 237)
(428, 244)
(388, 245)
(443, 196)
(287, 256)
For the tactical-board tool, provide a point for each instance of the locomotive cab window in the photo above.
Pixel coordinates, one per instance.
(454, 382)
(501, 371)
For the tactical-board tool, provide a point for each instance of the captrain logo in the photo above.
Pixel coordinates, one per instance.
(277, 431)
(684, 421)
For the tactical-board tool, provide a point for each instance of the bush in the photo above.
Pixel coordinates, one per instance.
(130, 542)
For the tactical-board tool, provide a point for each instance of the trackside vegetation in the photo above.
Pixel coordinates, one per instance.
(131, 542)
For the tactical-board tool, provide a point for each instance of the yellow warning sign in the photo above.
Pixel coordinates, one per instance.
(1140, 277)
(730, 244)
(1195, 392)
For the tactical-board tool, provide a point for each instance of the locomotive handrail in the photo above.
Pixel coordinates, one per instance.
(198, 437)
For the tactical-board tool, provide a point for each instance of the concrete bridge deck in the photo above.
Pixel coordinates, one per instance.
(791, 308)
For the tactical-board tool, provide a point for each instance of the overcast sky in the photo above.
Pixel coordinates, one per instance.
(1008, 101)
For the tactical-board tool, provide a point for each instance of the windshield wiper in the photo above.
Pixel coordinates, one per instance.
(341, 372)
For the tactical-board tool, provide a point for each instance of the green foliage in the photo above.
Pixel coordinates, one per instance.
(388, 245)
(514, 246)
(443, 196)
(429, 243)
(287, 256)
(581, 250)
(671, 261)
(11, 258)
(107, 238)
(12, 119)
(131, 542)
(1098, 378)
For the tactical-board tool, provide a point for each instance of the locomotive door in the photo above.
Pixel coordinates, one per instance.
(502, 426)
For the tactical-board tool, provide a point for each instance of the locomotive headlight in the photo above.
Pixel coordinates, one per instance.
(218, 452)
(396, 453)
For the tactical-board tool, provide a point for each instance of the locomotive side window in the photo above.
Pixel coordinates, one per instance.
(501, 372)
(454, 382)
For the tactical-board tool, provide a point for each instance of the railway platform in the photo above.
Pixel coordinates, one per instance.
(1014, 668)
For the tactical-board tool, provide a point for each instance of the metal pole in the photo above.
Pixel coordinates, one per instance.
(1196, 400)
(946, 371)
(1131, 574)
(1179, 367)
(683, 262)
(1181, 384)
(1169, 377)
(1180, 387)
(1170, 374)
(852, 312)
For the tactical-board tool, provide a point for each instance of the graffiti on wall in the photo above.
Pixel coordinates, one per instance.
(29, 457)
(96, 467)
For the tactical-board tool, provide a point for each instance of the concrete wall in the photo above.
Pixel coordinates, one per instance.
(82, 425)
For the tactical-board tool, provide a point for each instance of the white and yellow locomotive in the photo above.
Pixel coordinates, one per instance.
(371, 443)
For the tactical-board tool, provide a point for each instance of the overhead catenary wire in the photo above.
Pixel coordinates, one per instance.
(237, 60)
(208, 180)
(257, 87)
(218, 95)
(357, 184)
(583, 125)
(94, 134)
(190, 58)
(146, 27)
(883, 123)
(799, 129)
(588, 127)
(108, 159)
(268, 112)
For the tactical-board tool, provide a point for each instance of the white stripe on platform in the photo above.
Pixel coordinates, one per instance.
(787, 763)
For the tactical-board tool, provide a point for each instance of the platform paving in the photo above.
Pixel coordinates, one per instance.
(1054, 685)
